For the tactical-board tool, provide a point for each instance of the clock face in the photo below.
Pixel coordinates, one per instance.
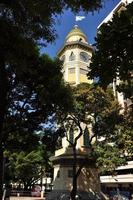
(84, 57)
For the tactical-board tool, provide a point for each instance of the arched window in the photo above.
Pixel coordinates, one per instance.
(71, 136)
(63, 58)
(72, 56)
(84, 56)
(86, 138)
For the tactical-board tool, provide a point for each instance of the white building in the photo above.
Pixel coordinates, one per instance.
(120, 6)
(124, 178)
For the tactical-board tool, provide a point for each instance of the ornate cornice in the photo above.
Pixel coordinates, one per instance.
(71, 45)
(67, 159)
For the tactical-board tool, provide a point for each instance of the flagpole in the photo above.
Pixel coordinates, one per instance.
(77, 19)
(75, 22)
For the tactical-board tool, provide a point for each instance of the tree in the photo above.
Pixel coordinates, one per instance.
(117, 151)
(37, 95)
(30, 104)
(108, 157)
(95, 108)
(26, 168)
(23, 25)
(26, 158)
(113, 58)
(124, 137)
(112, 61)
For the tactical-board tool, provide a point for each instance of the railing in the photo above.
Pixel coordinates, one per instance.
(20, 193)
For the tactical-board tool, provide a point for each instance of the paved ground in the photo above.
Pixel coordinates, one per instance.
(26, 198)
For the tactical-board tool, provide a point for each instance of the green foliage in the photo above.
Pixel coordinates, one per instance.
(113, 52)
(26, 159)
(109, 156)
(97, 107)
(40, 93)
(113, 60)
(51, 139)
(25, 167)
(98, 111)
(124, 136)
(18, 141)
(95, 112)
(117, 149)
(35, 19)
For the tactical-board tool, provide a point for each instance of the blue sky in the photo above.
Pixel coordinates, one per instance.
(66, 21)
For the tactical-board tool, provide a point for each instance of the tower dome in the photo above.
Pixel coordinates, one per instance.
(76, 54)
(76, 35)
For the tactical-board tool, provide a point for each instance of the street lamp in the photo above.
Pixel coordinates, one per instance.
(118, 191)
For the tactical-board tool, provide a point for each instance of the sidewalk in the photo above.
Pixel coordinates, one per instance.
(27, 198)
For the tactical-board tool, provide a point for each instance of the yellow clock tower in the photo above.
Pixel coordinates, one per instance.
(76, 55)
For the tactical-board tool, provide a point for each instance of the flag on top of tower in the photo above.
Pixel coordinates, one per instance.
(79, 18)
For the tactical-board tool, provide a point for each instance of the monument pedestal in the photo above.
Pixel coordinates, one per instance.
(88, 183)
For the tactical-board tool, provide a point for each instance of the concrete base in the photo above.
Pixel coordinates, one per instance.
(65, 195)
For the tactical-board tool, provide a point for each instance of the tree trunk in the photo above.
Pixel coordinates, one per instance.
(25, 186)
(3, 102)
(74, 189)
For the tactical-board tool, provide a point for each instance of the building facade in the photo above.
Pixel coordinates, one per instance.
(76, 54)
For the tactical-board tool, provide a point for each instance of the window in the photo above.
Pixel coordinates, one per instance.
(71, 137)
(70, 173)
(84, 56)
(58, 174)
(86, 137)
(72, 56)
(71, 70)
(83, 71)
(63, 58)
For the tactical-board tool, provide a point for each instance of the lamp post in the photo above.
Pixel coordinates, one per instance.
(3, 171)
(3, 177)
(118, 191)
